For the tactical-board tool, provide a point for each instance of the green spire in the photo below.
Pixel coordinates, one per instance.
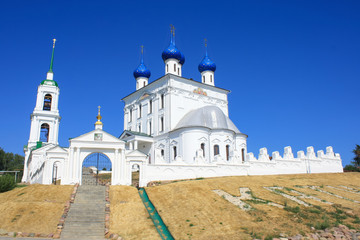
(52, 56)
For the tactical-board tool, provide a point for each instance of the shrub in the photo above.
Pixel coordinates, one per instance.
(7, 183)
(292, 209)
(351, 168)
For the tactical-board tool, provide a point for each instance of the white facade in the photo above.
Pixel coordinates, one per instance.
(174, 128)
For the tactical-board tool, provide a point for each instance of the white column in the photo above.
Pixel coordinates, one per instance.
(76, 151)
(122, 168)
(135, 145)
(115, 169)
(78, 167)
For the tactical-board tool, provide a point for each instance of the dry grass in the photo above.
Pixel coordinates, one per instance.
(33, 209)
(192, 211)
(128, 216)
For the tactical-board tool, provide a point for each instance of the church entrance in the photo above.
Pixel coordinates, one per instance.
(96, 170)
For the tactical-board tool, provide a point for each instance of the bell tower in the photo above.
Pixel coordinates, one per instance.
(45, 118)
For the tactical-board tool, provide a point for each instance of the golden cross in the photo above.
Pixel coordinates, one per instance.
(99, 109)
(205, 40)
(173, 32)
(142, 49)
(54, 40)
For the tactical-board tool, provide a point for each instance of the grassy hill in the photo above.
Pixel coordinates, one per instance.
(34, 208)
(210, 208)
(192, 210)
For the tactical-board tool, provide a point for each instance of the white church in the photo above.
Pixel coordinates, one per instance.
(174, 128)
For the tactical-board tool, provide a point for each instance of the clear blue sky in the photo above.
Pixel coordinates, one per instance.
(293, 67)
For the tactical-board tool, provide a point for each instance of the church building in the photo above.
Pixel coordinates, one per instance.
(174, 128)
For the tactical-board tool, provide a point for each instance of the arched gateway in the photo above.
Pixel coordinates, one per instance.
(96, 170)
(86, 147)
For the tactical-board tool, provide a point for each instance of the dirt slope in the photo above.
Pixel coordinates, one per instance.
(33, 209)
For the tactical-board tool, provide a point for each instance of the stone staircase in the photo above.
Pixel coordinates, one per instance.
(86, 218)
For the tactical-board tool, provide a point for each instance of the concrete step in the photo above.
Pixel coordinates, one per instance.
(84, 233)
(85, 229)
(86, 218)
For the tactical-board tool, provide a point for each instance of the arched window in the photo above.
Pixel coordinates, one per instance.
(144, 84)
(174, 67)
(203, 79)
(162, 152)
(140, 111)
(175, 153)
(202, 146)
(139, 128)
(178, 71)
(161, 124)
(162, 101)
(227, 152)
(150, 106)
(216, 150)
(210, 78)
(44, 132)
(130, 115)
(47, 102)
(243, 154)
(167, 68)
(149, 131)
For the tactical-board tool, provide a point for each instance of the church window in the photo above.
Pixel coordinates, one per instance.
(139, 128)
(174, 67)
(202, 146)
(149, 130)
(227, 152)
(44, 132)
(144, 84)
(161, 124)
(175, 153)
(162, 152)
(211, 78)
(162, 101)
(47, 102)
(178, 71)
(150, 106)
(139, 111)
(243, 154)
(203, 79)
(216, 150)
(167, 68)
(130, 115)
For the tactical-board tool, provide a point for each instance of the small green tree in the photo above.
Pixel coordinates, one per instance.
(356, 151)
(7, 183)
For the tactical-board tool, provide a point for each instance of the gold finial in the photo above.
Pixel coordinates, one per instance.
(142, 49)
(99, 117)
(205, 41)
(173, 30)
(54, 40)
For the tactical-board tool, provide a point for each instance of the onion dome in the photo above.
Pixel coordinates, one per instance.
(206, 64)
(172, 51)
(182, 59)
(142, 70)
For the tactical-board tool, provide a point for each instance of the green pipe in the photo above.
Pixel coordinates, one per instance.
(155, 217)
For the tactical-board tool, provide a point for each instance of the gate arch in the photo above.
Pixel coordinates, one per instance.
(96, 169)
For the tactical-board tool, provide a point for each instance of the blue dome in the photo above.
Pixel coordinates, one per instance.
(182, 59)
(207, 65)
(142, 71)
(172, 52)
